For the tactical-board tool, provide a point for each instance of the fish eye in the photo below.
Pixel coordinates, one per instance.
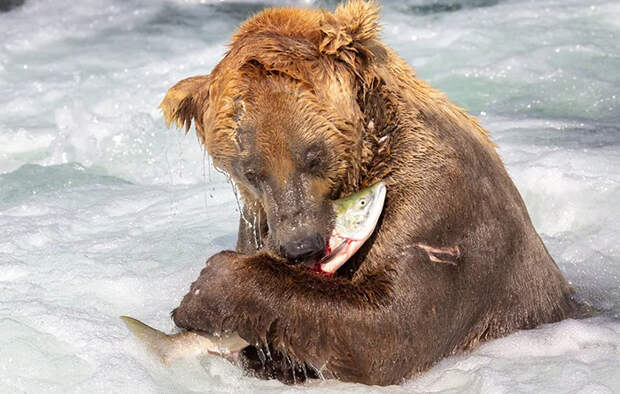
(363, 202)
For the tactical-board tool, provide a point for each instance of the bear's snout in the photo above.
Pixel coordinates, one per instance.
(304, 248)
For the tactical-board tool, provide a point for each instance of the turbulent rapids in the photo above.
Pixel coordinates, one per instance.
(104, 212)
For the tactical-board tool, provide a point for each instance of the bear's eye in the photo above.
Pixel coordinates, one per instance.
(252, 177)
(314, 160)
(314, 164)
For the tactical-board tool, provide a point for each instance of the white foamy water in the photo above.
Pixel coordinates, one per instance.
(104, 212)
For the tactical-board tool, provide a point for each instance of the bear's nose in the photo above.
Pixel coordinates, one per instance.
(304, 248)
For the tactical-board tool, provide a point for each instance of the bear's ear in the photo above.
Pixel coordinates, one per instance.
(350, 27)
(186, 101)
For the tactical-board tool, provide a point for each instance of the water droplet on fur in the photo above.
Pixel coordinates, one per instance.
(261, 356)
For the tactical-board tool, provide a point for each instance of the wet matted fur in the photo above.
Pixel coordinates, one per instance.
(308, 106)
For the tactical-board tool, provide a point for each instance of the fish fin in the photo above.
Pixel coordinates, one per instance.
(159, 343)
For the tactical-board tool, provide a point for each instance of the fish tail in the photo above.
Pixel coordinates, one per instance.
(159, 343)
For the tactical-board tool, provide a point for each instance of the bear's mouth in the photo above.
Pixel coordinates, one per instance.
(334, 259)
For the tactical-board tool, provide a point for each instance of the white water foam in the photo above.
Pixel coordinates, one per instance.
(104, 212)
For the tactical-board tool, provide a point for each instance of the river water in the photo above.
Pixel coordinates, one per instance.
(105, 212)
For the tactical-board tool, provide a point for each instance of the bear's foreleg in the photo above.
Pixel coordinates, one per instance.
(300, 317)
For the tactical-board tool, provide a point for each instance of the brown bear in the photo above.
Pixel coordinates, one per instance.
(308, 106)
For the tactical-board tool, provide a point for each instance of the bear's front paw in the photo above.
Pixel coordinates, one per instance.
(212, 297)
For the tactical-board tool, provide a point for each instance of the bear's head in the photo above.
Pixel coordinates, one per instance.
(281, 115)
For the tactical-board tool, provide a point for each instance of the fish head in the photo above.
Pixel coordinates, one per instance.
(356, 219)
(357, 215)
